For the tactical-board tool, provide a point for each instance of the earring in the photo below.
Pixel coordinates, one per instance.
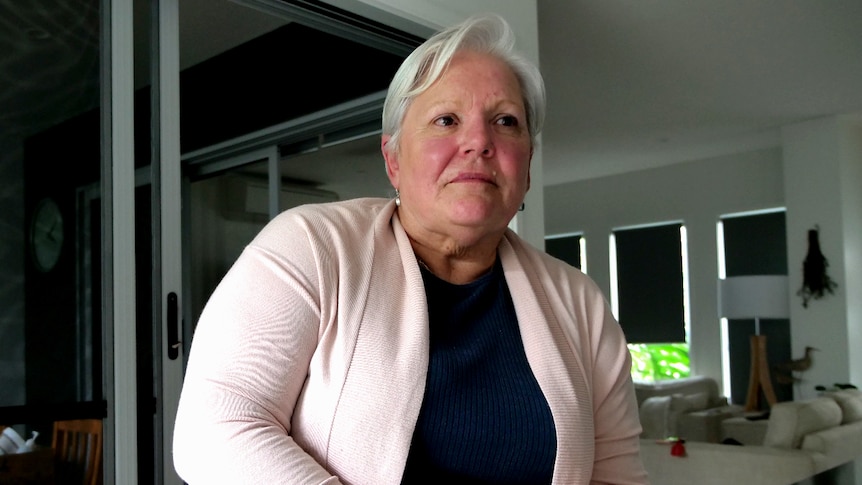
(397, 198)
(522, 207)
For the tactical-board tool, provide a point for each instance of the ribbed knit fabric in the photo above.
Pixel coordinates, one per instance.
(484, 418)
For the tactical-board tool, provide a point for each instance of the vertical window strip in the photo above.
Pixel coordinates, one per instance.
(582, 242)
(615, 288)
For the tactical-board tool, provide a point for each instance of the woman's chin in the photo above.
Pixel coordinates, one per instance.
(479, 213)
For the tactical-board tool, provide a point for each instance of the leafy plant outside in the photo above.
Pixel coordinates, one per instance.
(656, 362)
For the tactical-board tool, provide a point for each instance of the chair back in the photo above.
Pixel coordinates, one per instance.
(77, 448)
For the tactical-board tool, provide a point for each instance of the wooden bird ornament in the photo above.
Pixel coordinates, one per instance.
(799, 365)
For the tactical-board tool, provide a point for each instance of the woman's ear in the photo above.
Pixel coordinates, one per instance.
(390, 156)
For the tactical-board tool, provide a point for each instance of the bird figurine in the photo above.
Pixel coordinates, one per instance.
(784, 372)
(798, 365)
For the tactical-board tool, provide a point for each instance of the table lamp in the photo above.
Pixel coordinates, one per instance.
(759, 296)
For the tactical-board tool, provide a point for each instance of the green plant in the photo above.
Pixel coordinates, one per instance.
(656, 362)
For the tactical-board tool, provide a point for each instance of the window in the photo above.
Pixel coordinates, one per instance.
(753, 243)
(649, 295)
(570, 248)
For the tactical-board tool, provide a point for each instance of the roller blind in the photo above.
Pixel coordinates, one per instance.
(650, 283)
(567, 248)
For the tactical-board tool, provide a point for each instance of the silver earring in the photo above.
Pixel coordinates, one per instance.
(397, 198)
(522, 207)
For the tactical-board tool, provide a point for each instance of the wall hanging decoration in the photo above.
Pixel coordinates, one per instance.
(815, 282)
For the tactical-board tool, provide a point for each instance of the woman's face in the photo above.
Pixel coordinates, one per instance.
(463, 164)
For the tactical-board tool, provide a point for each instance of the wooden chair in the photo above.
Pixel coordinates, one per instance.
(77, 448)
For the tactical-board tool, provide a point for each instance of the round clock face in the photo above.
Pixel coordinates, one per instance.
(46, 234)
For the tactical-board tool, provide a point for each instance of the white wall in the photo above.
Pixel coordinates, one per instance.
(696, 193)
(823, 174)
(851, 197)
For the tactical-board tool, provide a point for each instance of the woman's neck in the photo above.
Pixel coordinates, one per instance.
(458, 266)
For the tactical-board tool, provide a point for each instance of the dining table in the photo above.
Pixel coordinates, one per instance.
(30, 468)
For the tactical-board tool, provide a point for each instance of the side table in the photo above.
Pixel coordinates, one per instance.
(744, 430)
(705, 425)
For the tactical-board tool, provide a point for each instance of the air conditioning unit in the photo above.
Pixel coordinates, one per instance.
(247, 198)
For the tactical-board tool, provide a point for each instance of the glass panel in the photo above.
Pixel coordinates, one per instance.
(50, 155)
(227, 210)
(656, 362)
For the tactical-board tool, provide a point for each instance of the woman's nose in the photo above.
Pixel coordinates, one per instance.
(478, 137)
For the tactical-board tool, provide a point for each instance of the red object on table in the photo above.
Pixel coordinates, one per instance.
(678, 448)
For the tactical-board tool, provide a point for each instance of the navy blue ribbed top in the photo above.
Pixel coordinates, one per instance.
(484, 419)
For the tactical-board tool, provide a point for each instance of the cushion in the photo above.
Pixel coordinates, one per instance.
(697, 401)
(659, 415)
(686, 385)
(790, 421)
(679, 404)
(850, 402)
(653, 416)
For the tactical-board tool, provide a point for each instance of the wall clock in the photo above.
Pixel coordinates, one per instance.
(46, 234)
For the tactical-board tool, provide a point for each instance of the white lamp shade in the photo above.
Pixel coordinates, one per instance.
(761, 296)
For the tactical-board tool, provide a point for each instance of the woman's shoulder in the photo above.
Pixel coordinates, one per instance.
(360, 210)
(323, 222)
(330, 216)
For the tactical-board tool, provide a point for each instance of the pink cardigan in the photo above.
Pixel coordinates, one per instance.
(308, 363)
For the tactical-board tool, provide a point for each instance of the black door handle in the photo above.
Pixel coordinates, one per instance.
(174, 342)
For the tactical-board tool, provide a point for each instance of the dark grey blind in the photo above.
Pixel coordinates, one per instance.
(755, 244)
(649, 284)
(567, 248)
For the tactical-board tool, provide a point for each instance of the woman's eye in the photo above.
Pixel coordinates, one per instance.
(445, 121)
(507, 121)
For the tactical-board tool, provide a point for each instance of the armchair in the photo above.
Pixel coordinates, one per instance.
(690, 408)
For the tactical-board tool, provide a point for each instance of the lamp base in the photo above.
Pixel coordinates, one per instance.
(759, 378)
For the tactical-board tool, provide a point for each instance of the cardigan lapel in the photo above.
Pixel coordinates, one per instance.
(386, 379)
(554, 361)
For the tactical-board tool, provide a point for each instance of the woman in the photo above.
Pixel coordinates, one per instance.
(382, 341)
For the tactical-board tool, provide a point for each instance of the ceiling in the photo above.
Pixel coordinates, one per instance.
(634, 84)
(631, 84)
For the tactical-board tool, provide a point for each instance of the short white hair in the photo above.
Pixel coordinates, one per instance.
(485, 34)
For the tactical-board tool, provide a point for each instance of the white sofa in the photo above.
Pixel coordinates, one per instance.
(691, 408)
(802, 439)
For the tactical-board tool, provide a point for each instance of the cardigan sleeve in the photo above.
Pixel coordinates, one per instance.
(616, 421)
(247, 366)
